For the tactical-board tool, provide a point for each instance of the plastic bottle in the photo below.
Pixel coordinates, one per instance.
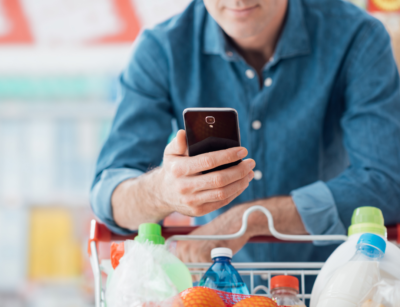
(176, 271)
(284, 290)
(364, 220)
(222, 275)
(350, 283)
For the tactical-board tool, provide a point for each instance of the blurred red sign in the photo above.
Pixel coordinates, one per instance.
(14, 26)
(130, 21)
(67, 22)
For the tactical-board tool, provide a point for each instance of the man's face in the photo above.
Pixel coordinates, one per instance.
(242, 18)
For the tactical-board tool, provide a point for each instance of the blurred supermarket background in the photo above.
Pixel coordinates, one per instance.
(59, 60)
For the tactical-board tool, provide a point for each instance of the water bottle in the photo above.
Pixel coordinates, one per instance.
(222, 275)
(284, 290)
(355, 279)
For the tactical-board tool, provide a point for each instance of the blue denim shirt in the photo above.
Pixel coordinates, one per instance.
(329, 108)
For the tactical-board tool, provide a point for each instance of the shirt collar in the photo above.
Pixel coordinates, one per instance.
(215, 41)
(294, 40)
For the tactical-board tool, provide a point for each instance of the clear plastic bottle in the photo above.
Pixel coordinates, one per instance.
(222, 275)
(284, 290)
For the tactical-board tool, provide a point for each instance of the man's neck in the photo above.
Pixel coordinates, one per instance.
(257, 50)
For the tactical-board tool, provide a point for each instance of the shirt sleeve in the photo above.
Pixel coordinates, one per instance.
(101, 195)
(371, 136)
(318, 211)
(141, 126)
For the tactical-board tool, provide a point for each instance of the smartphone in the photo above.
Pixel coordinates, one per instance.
(211, 129)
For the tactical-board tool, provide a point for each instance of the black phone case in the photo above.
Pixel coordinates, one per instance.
(202, 137)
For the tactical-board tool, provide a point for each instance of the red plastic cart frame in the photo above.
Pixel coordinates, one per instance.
(100, 233)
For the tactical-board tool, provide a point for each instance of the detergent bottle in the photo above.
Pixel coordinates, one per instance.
(351, 282)
(364, 220)
(177, 271)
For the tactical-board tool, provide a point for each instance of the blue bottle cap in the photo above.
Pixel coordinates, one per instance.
(373, 240)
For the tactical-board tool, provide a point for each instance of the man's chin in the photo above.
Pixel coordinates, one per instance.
(241, 32)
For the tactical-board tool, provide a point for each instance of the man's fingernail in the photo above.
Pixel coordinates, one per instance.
(242, 153)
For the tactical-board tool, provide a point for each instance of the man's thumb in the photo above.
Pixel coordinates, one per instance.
(178, 145)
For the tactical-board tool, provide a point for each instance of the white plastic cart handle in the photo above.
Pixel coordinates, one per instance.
(271, 228)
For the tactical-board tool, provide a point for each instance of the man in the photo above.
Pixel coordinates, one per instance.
(318, 96)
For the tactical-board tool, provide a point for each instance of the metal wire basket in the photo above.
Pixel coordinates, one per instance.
(100, 233)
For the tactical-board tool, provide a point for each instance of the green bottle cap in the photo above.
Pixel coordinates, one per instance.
(367, 220)
(150, 232)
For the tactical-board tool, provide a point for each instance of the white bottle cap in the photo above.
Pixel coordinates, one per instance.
(221, 252)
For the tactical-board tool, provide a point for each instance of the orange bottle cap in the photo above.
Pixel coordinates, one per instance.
(285, 281)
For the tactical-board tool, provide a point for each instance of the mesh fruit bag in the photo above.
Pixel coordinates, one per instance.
(205, 297)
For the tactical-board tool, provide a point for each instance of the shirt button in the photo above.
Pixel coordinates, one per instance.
(250, 74)
(256, 124)
(229, 53)
(268, 82)
(257, 175)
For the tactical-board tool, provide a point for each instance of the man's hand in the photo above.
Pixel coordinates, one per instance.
(184, 189)
(286, 220)
(180, 186)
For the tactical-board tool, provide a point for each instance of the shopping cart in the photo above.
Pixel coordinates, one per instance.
(100, 233)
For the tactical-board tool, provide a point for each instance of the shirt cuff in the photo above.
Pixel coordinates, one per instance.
(317, 208)
(100, 196)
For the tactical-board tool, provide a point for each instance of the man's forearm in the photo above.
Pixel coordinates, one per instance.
(284, 212)
(136, 201)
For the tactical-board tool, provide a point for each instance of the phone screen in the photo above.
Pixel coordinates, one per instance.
(211, 130)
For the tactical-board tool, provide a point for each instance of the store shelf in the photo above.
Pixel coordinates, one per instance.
(66, 110)
(74, 201)
(63, 60)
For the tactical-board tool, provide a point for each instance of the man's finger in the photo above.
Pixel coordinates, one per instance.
(182, 251)
(221, 194)
(222, 178)
(200, 255)
(207, 161)
(178, 146)
(209, 207)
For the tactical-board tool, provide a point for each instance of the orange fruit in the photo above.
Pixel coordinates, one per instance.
(256, 301)
(201, 297)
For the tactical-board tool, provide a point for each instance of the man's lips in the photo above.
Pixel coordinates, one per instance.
(243, 12)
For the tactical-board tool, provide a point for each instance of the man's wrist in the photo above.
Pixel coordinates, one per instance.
(230, 221)
(284, 214)
(138, 200)
(258, 222)
(155, 194)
